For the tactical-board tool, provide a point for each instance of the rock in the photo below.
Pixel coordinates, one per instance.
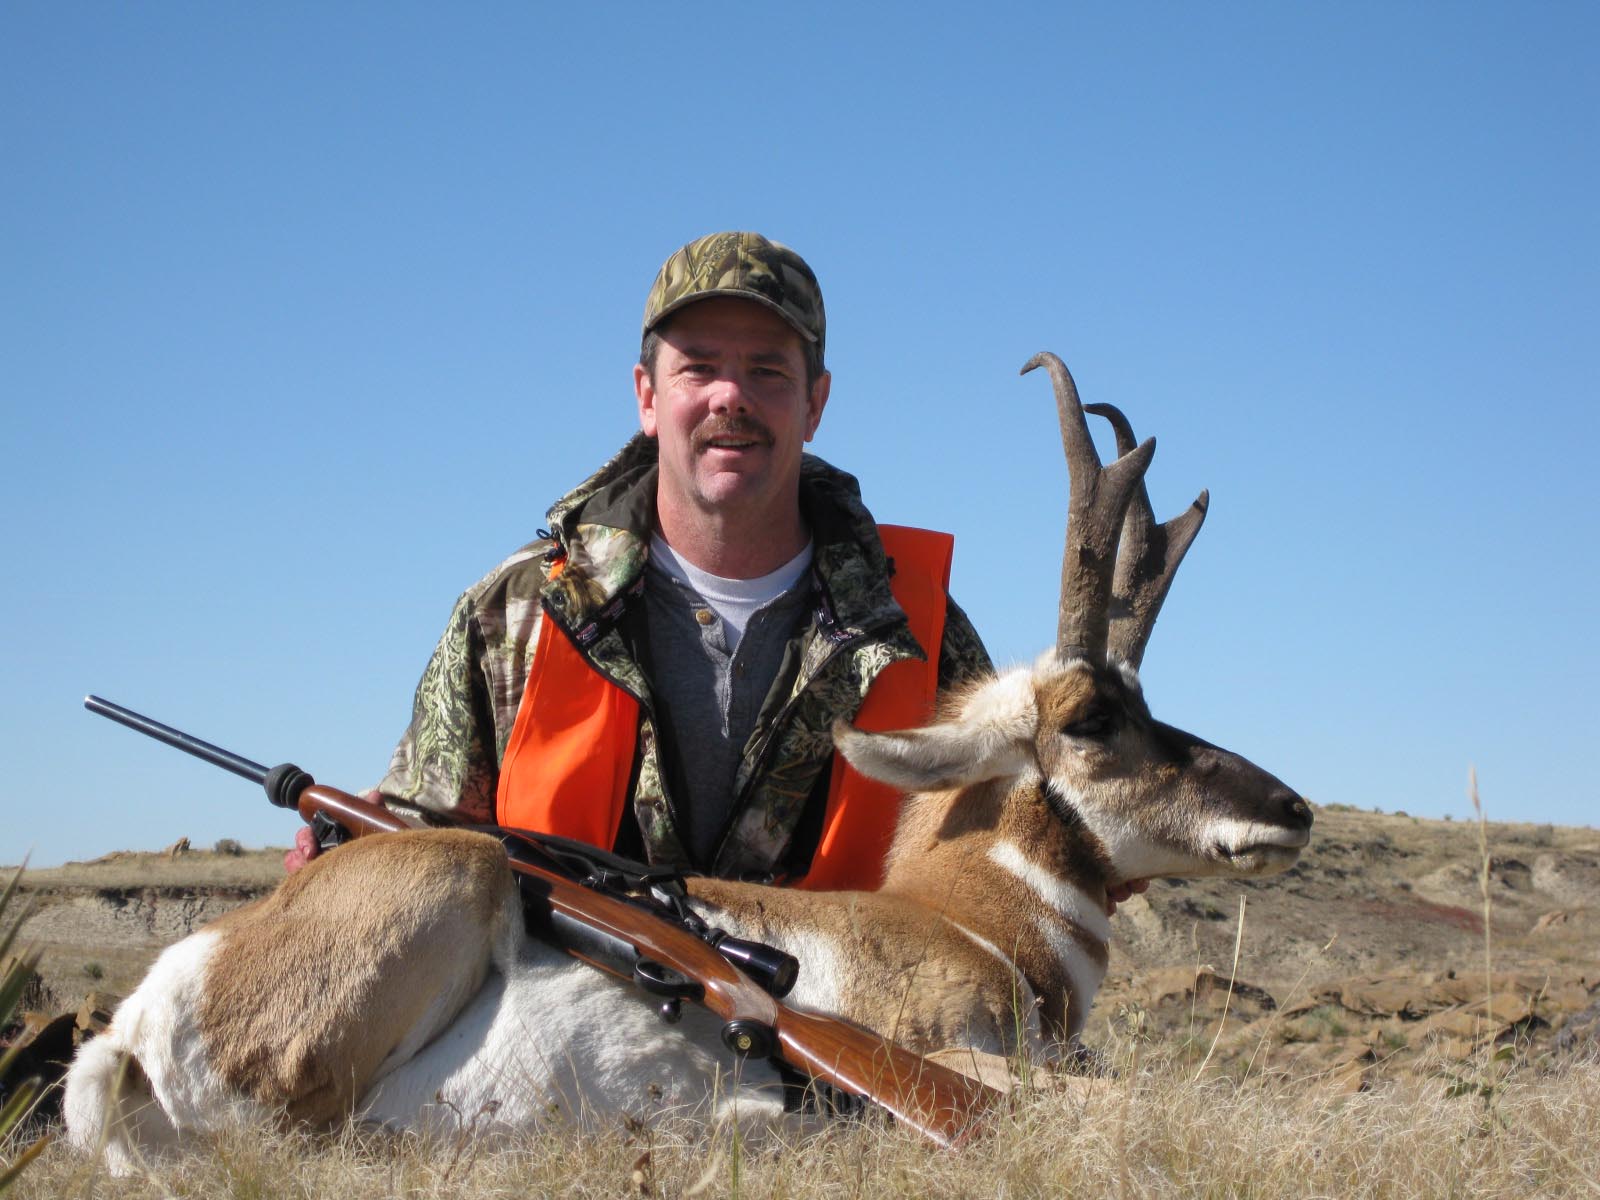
(35, 994)
(1312, 999)
(1569, 879)
(1483, 1021)
(1205, 986)
(1136, 914)
(93, 1015)
(1350, 1079)
(1509, 988)
(1510, 873)
(1567, 996)
(1458, 1024)
(1351, 1050)
(1381, 996)
(1208, 982)
(1201, 909)
(1508, 1008)
(1579, 1038)
(1166, 983)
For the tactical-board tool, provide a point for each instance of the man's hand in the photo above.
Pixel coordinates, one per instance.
(305, 849)
(305, 842)
(1119, 892)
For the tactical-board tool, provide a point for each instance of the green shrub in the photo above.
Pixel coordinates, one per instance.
(19, 972)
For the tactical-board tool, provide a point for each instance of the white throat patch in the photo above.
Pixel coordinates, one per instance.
(1061, 896)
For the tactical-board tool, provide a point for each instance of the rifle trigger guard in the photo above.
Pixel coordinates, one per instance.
(661, 980)
(329, 834)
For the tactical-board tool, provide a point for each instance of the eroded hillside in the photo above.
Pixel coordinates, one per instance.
(1368, 956)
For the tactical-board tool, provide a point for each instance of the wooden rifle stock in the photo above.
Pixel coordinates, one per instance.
(620, 937)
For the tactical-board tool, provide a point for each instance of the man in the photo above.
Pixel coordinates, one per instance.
(659, 672)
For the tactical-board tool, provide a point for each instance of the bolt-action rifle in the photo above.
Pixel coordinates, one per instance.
(660, 952)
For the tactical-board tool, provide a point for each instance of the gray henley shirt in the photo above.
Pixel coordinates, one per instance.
(708, 699)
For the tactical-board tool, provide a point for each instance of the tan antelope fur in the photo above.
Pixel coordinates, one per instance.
(392, 980)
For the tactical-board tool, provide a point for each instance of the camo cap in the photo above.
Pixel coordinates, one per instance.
(746, 265)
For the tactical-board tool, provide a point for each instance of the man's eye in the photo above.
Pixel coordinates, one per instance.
(1093, 724)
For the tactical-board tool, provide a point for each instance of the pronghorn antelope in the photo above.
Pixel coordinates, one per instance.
(394, 980)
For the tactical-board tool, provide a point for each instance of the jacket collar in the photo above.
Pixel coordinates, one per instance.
(602, 528)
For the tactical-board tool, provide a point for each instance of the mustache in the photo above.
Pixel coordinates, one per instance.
(744, 428)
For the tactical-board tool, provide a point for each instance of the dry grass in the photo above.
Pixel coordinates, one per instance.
(1168, 1123)
(1154, 1132)
(196, 868)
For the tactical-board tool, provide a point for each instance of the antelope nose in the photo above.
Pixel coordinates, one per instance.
(1295, 809)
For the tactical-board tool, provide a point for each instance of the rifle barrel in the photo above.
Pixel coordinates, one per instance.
(176, 738)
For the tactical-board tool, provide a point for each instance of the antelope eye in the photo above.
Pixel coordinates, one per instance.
(1096, 723)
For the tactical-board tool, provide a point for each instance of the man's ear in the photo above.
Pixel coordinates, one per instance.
(645, 390)
(816, 402)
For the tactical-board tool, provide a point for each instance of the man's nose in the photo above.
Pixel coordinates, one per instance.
(728, 396)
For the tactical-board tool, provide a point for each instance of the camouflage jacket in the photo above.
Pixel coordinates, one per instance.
(448, 761)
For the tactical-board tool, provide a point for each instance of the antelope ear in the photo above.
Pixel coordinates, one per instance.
(990, 737)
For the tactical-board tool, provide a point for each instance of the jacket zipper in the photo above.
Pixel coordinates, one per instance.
(765, 746)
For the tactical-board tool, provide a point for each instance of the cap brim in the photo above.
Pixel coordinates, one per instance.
(737, 294)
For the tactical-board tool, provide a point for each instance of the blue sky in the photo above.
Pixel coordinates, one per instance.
(308, 311)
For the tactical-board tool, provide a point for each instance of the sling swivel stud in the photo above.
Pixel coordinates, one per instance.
(748, 1039)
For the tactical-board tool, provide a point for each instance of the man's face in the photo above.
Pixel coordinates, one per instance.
(729, 407)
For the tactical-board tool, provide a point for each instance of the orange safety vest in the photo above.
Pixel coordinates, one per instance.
(569, 760)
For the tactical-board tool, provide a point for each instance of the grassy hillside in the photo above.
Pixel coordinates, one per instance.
(1335, 1030)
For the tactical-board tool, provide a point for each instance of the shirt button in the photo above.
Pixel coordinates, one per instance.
(704, 615)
